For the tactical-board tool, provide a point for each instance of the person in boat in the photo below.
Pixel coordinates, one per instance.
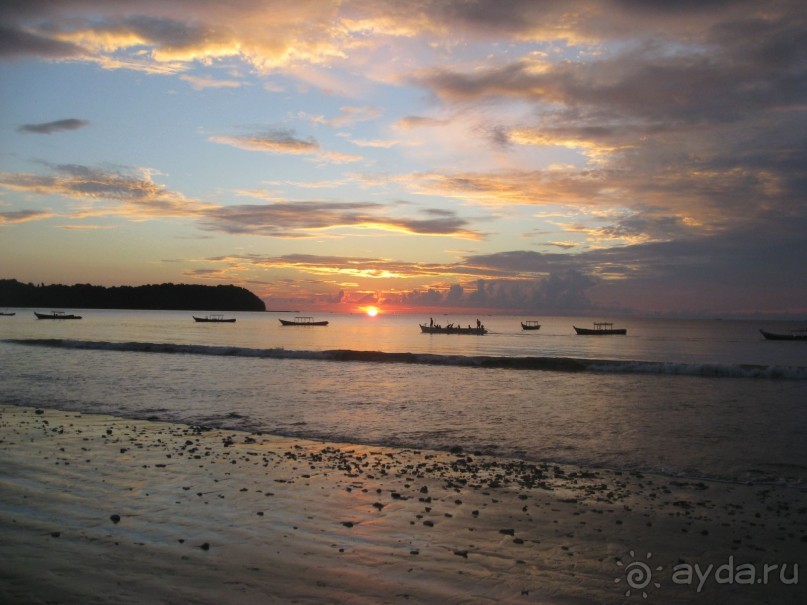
(431, 322)
(478, 324)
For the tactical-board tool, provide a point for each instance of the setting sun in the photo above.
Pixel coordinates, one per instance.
(371, 311)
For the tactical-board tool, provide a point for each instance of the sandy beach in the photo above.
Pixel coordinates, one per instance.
(97, 509)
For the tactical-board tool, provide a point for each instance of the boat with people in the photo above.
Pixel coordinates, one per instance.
(601, 328)
(530, 324)
(302, 321)
(56, 315)
(434, 328)
(215, 319)
(792, 335)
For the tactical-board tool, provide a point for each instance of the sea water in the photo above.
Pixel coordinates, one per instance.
(695, 398)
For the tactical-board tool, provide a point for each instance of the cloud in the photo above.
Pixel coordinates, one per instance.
(588, 187)
(410, 122)
(691, 122)
(272, 141)
(22, 216)
(352, 266)
(302, 219)
(16, 42)
(348, 116)
(201, 83)
(57, 126)
(376, 143)
(514, 280)
(734, 271)
(284, 142)
(134, 193)
(107, 191)
(152, 35)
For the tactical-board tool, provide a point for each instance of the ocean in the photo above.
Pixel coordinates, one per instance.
(704, 399)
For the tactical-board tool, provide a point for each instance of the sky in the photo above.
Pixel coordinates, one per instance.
(542, 157)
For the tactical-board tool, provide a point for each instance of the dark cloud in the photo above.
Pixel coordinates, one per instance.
(287, 219)
(518, 263)
(649, 86)
(301, 219)
(497, 134)
(57, 126)
(163, 32)
(563, 292)
(662, 7)
(735, 271)
(649, 226)
(696, 130)
(15, 42)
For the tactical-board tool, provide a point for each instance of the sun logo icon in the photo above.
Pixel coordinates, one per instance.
(638, 575)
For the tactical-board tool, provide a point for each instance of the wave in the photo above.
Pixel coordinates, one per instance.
(551, 364)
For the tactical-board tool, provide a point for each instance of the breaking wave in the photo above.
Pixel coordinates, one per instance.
(551, 364)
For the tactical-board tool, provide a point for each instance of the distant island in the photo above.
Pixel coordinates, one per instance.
(178, 297)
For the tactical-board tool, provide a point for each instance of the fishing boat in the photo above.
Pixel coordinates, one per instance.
(302, 321)
(601, 328)
(215, 319)
(56, 315)
(530, 325)
(4, 314)
(793, 335)
(452, 329)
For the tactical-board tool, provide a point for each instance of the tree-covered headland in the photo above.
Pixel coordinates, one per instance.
(180, 297)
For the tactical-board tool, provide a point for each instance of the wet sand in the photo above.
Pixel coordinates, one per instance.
(96, 509)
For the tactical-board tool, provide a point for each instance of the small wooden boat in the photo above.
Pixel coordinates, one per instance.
(3, 314)
(56, 315)
(302, 321)
(794, 335)
(452, 329)
(530, 325)
(601, 328)
(215, 319)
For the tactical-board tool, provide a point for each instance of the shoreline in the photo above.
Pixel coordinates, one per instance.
(101, 509)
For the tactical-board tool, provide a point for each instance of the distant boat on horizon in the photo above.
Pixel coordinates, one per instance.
(793, 335)
(530, 324)
(4, 314)
(302, 321)
(215, 318)
(56, 315)
(601, 328)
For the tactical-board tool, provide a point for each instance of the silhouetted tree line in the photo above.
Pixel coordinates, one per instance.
(182, 297)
